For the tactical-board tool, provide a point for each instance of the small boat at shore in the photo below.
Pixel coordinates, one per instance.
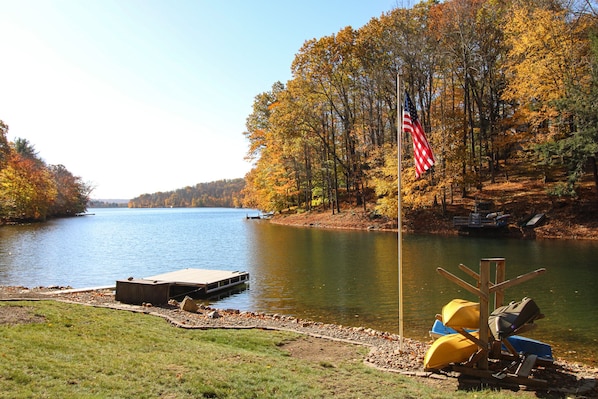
(522, 345)
(439, 329)
(460, 313)
(451, 348)
(527, 346)
(513, 318)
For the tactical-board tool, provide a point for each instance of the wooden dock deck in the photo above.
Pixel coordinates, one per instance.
(160, 288)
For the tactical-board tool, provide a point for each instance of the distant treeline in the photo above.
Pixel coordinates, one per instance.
(222, 193)
(31, 190)
(107, 204)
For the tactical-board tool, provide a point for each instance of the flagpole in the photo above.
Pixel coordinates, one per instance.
(399, 221)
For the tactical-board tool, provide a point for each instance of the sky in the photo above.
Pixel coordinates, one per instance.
(141, 96)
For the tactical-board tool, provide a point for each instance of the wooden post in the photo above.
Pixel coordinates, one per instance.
(484, 291)
(499, 296)
(399, 209)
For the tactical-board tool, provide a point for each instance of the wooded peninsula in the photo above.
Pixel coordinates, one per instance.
(31, 190)
(506, 93)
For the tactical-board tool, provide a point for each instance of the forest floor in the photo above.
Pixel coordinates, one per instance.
(566, 218)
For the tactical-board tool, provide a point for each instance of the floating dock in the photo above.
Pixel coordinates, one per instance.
(481, 219)
(192, 282)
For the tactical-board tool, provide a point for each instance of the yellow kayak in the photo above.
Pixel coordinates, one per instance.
(452, 348)
(460, 313)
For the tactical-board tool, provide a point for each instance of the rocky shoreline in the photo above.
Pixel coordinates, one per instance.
(385, 352)
(560, 223)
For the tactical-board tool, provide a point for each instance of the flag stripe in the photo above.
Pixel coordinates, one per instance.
(422, 152)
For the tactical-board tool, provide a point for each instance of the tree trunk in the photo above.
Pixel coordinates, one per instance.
(595, 171)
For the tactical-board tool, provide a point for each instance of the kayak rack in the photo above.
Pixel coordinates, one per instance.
(489, 347)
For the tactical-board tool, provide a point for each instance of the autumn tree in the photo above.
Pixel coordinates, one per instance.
(26, 189)
(550, 79)
(270, 183)
(579, 146)
(4, 147)
(294, 143)
(313, 91)
(72, 194)
(32, 191)
(27, 150)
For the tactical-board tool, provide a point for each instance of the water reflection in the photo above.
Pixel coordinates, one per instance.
(322, 274)
(351, 278)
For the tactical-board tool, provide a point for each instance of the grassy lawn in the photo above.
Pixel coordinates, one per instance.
(74, 351)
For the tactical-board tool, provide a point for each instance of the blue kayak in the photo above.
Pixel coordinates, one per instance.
(522, 345)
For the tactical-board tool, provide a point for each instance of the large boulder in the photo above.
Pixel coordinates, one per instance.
(189, 305)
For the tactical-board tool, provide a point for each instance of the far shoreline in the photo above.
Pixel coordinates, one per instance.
(428, 222)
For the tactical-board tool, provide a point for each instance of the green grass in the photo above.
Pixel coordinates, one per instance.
(84, 352)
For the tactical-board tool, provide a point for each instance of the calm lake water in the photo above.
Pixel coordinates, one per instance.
(342, 277)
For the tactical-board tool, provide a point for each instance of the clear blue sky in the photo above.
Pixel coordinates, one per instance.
(139, 96)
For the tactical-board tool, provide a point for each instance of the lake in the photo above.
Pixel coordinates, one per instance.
(342, 277)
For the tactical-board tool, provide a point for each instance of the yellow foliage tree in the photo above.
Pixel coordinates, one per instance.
(544, 58)
(27, 189)
(415, 193)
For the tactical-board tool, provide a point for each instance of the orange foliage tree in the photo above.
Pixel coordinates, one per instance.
(30, 190)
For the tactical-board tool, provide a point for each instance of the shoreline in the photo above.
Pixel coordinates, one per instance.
(429, 222)
(384, 353)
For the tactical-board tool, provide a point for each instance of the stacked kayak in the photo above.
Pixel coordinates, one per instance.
(523, 345)
(455, 332)
(452, 348)
(506, 320)
(460, 313)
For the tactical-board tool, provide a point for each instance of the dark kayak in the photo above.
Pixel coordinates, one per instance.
(514, 317)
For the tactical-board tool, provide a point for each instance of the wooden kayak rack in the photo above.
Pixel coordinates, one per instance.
(488, 346)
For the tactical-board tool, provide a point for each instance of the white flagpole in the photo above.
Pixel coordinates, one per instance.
(399, 222)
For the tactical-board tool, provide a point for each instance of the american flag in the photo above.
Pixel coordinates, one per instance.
(422, 153)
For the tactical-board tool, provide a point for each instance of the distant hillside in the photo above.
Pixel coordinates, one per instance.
(108, 203)
(222, 193)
